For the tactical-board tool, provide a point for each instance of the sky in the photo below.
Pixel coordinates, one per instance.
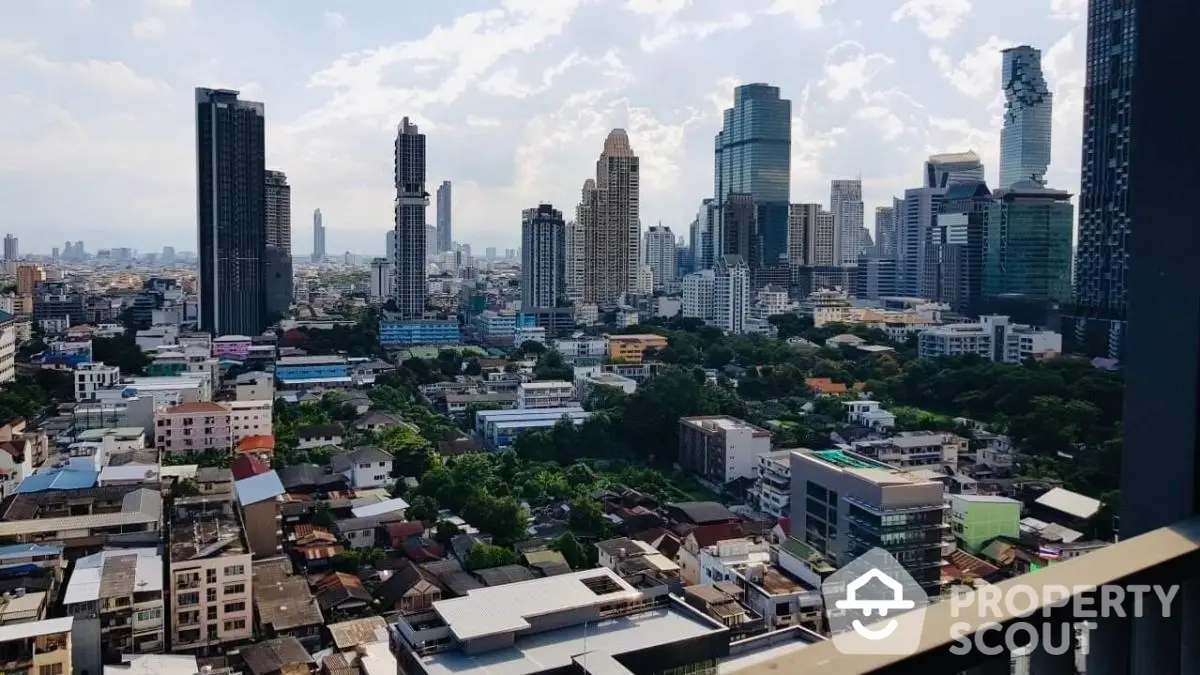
(97, 138)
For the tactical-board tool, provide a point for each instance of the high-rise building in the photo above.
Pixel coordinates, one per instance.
(1097, 316)
(753, 155)
(381, 278)
(278, 254)
(885, 231)
(920, 209)
(390, 245)
(609, 213)
(731, 295)
(575, 260)
(659, 249)
(954, 266)
(1025, 137)
(318, 255)
(811, 236)
(1028, 248)
(231, 185)
(740, 234)
(168, 254)
(411, 203)
(431, 241)
(846, 205)
(543, 257)
(10, 248)
(445, 236)
(704, 236)
(489, 253)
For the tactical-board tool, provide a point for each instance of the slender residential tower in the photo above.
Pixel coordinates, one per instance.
(231, 212)
(318, 237)
(543, 257)
(279, 243)
(411, 203)
(445, 237)
(846, 204)
(608, 212)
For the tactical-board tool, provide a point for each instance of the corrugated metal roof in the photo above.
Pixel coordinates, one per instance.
(63, 479)
(258, 488)
(379, 508)
(26, 550)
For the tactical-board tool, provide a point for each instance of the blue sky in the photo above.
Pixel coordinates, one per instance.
(516, 96)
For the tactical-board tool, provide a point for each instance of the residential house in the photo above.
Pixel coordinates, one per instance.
(698, 539)
(378, 420)
(408, 589)
(340, 592)
(314, 546)
(278, 656)
(283, 604)
(365, 467)
(319, 436)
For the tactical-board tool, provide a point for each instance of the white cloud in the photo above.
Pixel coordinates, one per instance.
(169, 5)
(334, 20)
(661, 10)
(694, 31)
(110, 76)
(483, 122)
(1070, 10)
(806, 13)
(978, 73)
(935, 18)
(149, 28)
(849, 68)
(891, 126)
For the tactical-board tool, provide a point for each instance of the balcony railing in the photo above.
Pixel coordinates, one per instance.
(1153, 642)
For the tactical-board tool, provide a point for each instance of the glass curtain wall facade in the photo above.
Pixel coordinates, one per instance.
(1025, 137)
(754, 157)
(1028, 248)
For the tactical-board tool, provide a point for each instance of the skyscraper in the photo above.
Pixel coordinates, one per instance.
(1101, 254)
(10, 247)
(575, 260)
(318, 237)
(659, 249)
(543, 257)
(885, 231)
(1025, 137)
(704, 237)
(920, 208)
(954, 266)
(231, 218)
(445, 237)
(810, 236)
(1028, 249)
(278, 254)
(754, 156)
(846, 205)
(609, 213)
(411, 202)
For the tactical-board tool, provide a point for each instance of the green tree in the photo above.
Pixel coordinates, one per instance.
(586, 516)
(412, 455)
(575, 553)
(444, 531)
(551, 366)
(485, 556)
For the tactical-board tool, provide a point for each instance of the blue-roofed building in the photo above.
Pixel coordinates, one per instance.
(18, 559)
(67, 353)
(501, 327)
(498, 429)
(259, 497)
(395, 332)
(62, 479)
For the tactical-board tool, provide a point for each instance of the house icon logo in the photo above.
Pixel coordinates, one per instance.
(864, 601)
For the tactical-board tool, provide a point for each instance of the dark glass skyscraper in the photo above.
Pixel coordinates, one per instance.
(411, 202)
(231, 212)
(1025, 138)
(1102, 255)
(278, 255)
(543, 257)
(754, 157)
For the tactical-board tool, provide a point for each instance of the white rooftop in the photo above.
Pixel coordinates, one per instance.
(32, 629)
(546, 384)
(154, 664)
(1070, 503)
(84, 584)
(502, 609)
(379, 508)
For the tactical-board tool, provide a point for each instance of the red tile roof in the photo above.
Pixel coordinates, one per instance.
(256, 443)
(707, 535)
(245, 466)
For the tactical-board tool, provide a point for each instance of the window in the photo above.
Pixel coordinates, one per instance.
(51, 669)
(149, 615)
(235, 589)
(189, 599)
(235, 570)
(211, 595)
(237, 624)
(231, 607)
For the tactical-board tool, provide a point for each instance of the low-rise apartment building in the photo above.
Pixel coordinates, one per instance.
(994, 338)
(975, 520)
(191, 428)
(116, 598)
(574, 349)
(37, 647)
(869, 414)
(780, 599)
(721, 449)
(545, 394)
(632, 348)
(209, 577)
(772, 490)
(83, 517)
(91, 377)
(916, 449)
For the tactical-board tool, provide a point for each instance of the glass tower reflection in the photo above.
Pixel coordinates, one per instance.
(754, 157)
(1025, 138)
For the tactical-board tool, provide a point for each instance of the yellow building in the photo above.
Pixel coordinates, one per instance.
(632, 348)
(37, 647)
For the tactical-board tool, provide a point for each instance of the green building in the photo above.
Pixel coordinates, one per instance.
(976, 520)
(1027, 250)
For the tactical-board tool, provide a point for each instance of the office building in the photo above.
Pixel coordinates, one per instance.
(231, 185)
(704, 237)
(659, 251)
(753, 156)
(209, 576)
(811, 236)
(994, 338)
(278, 268)
(846, 205)
(876, 278)
(1028, 247)
(845, 504)
(543, 257)
(740, 235)
(885, 230)
(591, 622)
(318, 255)
(609, 213)
(445, 235)
(1025, 136)
(381, 278)
(921, 206)
(954, 266)
(408, 262)
(10, 248)
(721, 449)
(575, 260)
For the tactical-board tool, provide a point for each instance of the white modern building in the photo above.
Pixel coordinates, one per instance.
(731, 298)
(381, 278)
(994, 338)
(582, 348)
(845, 201)
(869, 414)
(771, 493)
(548, 394)
(770, 301)
(721, 449)
(659, 254)
(698, 295)
(93, 377)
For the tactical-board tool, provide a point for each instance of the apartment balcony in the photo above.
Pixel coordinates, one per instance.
(1154, 642)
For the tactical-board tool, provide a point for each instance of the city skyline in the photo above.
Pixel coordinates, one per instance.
(877, 97)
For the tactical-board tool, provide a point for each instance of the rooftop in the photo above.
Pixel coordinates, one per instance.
(723, 422)
(196, 408)
(285, 361)
(120, 433)
(24, 631)
(863, 467)
(546, 384)
(206, 533)
(155, 664)
(113, 574)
